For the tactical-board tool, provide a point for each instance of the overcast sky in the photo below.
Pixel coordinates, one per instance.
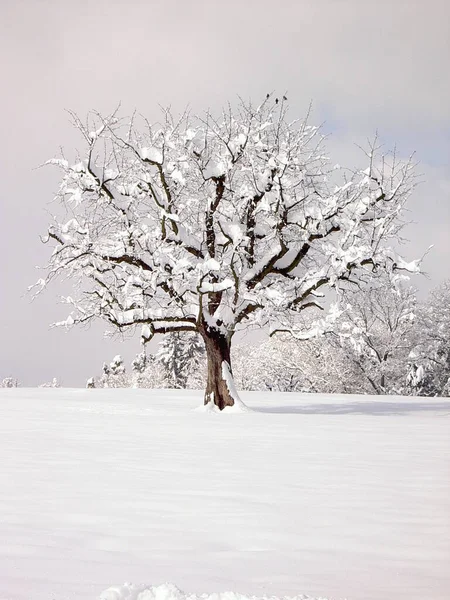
(365, 65)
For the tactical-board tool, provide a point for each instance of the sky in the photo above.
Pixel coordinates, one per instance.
(365, 66)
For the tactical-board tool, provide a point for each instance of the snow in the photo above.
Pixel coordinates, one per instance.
(68, 322)
(412, 267)
(220, 286)
(170, 216)
(214, 169)
(238, 405)
(329, 496)
(151, 154)
(211, 264)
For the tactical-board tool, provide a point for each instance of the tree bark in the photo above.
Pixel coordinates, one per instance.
(220, 378)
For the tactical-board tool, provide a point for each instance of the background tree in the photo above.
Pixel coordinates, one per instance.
(9, 382)
(140, 363)
(180, 355)
(204, 224)
(285, 364)
(376, 332)
(430, 360)
(114, 374)
(147, 372)
(54, 383)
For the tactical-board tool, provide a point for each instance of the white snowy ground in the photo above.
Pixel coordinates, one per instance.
(328, 496)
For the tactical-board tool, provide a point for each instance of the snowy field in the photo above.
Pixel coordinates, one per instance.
(329, 496)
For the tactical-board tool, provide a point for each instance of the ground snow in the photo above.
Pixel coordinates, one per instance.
(334, 496)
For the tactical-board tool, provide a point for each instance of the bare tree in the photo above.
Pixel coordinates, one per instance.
(203, 224)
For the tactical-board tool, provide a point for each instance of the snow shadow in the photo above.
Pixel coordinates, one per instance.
(360, 408)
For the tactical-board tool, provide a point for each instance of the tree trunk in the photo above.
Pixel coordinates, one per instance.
(220, 384)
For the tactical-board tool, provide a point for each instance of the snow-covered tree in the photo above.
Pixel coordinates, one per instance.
(285, 364)
(147, 372)
(9, 382)
(271, 365)
(117, 366)
(180, 355)
(430, 360)
(205, 224)
(140, 363)
(114, 374)
(376, 332)
(54, 383)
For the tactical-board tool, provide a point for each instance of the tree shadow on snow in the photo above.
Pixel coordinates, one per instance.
(361, 408)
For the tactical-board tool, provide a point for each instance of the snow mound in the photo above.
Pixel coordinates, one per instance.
(238, 407)
(167, 591)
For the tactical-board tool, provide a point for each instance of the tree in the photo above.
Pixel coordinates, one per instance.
(285, 364)
(140, 363)
(145, 371)
(272, 365)
(54, 383)
(114, 374)
(9, 382)
(430, 369)
(376, 332)
(203, 225)
(180, 355)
